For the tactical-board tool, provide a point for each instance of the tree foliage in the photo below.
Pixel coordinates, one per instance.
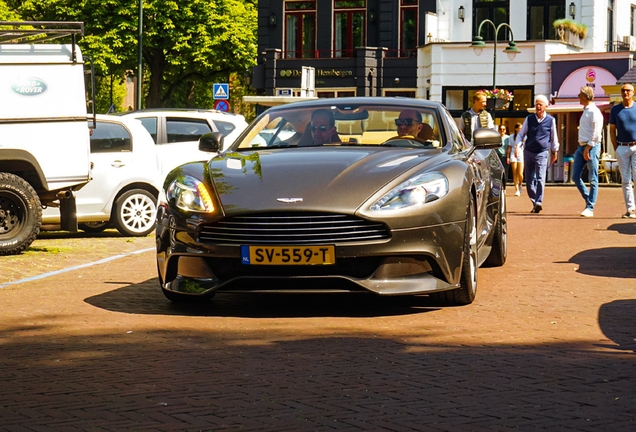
(187, 44)
(6, 13)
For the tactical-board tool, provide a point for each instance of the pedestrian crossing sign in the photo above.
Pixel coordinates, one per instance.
(221, 91)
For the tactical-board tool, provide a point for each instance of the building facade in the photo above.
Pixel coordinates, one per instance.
(422, 48)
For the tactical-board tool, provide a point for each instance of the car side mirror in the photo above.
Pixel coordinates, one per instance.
(486, 139)
(211, 142)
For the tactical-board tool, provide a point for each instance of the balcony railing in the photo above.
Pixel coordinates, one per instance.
(347, 53)
(615, 46)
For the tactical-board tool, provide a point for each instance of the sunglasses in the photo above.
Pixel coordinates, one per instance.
(406, 121)
(319, 128)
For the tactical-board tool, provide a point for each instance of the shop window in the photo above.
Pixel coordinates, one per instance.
(300, 29)
(496, 11)
(455, 99)
(326, 94)
(458, 100)
(404, 93)
(334, 94)
(523, 99)
(408, 28)
(541, 15)
(349, 26)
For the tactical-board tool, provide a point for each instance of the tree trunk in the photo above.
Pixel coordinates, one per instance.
(155, 70)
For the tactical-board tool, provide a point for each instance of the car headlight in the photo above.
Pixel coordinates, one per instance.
(190, 194)
(415, 191)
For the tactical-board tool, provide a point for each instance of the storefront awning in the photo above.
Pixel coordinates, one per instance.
(566, 107)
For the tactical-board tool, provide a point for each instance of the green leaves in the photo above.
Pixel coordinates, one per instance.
(187, 44)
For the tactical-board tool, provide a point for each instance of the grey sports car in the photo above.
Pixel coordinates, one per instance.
(375, 195)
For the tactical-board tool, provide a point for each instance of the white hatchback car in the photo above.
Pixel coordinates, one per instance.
(126, 180)
(176, 132)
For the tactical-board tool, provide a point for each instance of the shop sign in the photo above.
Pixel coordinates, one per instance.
(319, 72)
(594, 77)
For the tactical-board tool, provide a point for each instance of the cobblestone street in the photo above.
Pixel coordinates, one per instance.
(549, 344)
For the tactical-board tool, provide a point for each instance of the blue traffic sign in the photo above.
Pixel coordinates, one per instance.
(221, 91)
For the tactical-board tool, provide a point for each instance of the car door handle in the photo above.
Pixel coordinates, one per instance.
(117, 164)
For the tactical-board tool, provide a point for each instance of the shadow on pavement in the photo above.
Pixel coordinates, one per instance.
(146, 298)
(607, 262)
(50, 235)
(617, 322)
(624, 228)
(224, 378)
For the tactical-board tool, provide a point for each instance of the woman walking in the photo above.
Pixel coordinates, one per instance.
(515, 160)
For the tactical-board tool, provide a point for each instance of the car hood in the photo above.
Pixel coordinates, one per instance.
(333, 179)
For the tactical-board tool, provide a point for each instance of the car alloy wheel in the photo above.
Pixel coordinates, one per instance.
(135, 213)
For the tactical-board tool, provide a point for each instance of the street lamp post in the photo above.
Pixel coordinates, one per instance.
(139, 52)
(478, 46)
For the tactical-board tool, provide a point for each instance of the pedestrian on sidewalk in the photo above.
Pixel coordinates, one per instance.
(476, 117)
(515, 159)
(502, 151)
(622, 123)
(540, 132)
(589, 150)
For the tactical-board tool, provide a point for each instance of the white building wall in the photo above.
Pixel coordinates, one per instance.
(455, 64)
(622, 22)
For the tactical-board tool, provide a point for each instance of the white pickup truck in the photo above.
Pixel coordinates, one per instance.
(44, 133)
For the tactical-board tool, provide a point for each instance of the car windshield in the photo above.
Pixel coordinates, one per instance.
(344, 125)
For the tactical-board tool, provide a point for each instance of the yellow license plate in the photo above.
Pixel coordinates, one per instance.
(288, 255)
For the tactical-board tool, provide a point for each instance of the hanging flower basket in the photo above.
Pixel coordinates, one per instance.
(498, 98)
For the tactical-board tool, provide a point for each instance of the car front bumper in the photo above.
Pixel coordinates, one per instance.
(412, 261)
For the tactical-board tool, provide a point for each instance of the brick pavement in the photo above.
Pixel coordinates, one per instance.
(548, 344)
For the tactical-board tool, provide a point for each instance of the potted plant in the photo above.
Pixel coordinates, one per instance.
(498, 98)
(570, 31)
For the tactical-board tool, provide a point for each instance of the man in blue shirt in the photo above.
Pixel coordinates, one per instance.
(622, 123)
(539, 130)
(589, 149)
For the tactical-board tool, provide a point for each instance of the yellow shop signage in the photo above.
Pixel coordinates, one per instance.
(320, 72)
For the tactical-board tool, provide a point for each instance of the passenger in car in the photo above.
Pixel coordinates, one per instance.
(321, 130)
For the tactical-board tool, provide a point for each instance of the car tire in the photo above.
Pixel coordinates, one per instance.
(499, 251)
(134, 213)
(20, 214)
(94, 227)
(468, 280)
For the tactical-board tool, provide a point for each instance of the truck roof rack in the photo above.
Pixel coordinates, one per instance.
(39, 31)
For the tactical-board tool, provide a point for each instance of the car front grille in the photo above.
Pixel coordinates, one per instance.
(293, 228)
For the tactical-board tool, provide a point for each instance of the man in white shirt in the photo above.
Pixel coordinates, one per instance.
(589, 149)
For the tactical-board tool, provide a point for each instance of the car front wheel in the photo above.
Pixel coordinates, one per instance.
(135, 212)
(499, 251)
(466, 293)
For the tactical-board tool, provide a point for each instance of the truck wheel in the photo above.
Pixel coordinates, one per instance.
(20, 214)
(135, 212)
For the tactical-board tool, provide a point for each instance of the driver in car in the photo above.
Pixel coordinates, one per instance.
(409, 123)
